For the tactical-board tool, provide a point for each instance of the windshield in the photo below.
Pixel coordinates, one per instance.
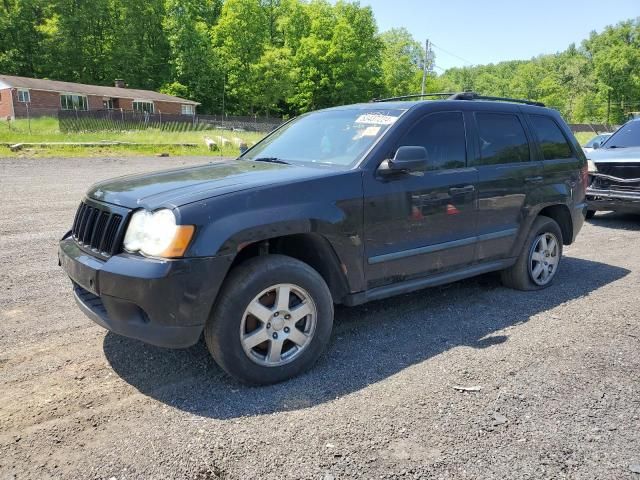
(334, 137)
(627, 135)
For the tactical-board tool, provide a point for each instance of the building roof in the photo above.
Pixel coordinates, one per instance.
(10, 81)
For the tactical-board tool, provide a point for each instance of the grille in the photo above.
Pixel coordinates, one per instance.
(606, 184)
(97, 229)
(620, 170)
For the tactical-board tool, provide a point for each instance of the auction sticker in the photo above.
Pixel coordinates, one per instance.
(376, 119)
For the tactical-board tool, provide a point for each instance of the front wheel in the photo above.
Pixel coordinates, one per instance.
(538, 263)
(272, 320)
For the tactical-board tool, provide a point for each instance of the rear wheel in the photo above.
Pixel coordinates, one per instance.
(539, 260)
(591, 214)
(272, 320)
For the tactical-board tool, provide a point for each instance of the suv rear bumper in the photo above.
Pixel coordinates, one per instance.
(161, 302)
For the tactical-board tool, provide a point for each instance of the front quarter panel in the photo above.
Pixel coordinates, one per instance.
(329, 205)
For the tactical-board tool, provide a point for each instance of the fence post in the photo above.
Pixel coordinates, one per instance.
(28, 117)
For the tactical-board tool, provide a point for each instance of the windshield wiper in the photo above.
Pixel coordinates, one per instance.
(615, 146)
(270, 160)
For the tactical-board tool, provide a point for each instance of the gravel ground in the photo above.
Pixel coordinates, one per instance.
(558, 371)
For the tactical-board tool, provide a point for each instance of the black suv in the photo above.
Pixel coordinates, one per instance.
(339, 206)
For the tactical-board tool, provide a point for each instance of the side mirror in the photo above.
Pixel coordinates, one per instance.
(406, 160)
(596, 145)
(243, 148)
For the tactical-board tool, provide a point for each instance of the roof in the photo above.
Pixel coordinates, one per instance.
(10, 81)
(416, 104)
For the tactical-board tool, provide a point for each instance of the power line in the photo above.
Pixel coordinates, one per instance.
(452, 54)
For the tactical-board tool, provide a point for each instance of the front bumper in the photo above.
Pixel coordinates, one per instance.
(613, 200)
(161, 302)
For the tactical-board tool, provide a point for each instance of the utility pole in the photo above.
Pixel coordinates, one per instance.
(428, 57)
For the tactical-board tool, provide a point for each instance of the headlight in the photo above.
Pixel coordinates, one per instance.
(591, 166)
(157, 235)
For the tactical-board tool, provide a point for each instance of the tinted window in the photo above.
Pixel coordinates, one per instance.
(552, 142)
(502, 139)
(442, 134)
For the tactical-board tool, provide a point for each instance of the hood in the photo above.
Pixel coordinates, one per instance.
(615, 155)
(172, 188)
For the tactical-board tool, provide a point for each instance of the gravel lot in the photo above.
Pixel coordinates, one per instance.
(559, 371)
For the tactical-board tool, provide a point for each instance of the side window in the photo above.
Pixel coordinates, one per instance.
(502, 139)
(443, 135)
(552, 142)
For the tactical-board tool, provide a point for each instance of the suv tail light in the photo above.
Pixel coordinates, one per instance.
(585, 177)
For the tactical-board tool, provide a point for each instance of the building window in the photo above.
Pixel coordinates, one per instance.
(188, 110)
(70, 101)
(107, 103)
(23, 95)
(143, 106)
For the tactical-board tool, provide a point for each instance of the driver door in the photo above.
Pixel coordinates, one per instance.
(422, 223)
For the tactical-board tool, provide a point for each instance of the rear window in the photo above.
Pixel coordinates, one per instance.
(552, 141)
(502, 139)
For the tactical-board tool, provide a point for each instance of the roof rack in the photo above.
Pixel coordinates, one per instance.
(475, 96)
(460, 96)
(417, 95)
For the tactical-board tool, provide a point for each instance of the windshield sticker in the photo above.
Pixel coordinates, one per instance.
(370, 132)
(376, 119)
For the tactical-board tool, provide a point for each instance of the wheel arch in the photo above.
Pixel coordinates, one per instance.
(561, 214)
(308, 247)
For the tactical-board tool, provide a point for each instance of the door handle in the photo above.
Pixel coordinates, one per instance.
(462, 190)
(534, 180)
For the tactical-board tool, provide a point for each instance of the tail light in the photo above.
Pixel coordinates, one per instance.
(585, 177)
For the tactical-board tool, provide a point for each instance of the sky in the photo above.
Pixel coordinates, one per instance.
(467, 32)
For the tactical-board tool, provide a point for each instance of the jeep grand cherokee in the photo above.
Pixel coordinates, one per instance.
(339, 206)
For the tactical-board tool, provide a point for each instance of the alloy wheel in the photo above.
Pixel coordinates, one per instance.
(544, 258)
(278, 325)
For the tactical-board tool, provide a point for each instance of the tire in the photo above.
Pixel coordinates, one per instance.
(590, 214)
(271, 286)
(525, 273)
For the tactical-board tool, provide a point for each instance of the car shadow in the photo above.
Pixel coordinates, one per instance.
(617, 220)
(370, 343)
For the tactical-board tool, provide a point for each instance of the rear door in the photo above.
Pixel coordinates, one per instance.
(562, 167)
(507, 174)
(423, 222)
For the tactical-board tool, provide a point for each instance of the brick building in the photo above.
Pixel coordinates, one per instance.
(21, 96)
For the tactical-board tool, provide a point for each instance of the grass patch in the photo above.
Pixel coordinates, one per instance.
(584, 137)
(156, 141)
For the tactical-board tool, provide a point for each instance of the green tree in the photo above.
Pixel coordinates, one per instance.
(401, 62)
(339, 61)
(273, 81)
(195, 67)
(80, 41)
(22, 36)
(240, 37)
(140, 52)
